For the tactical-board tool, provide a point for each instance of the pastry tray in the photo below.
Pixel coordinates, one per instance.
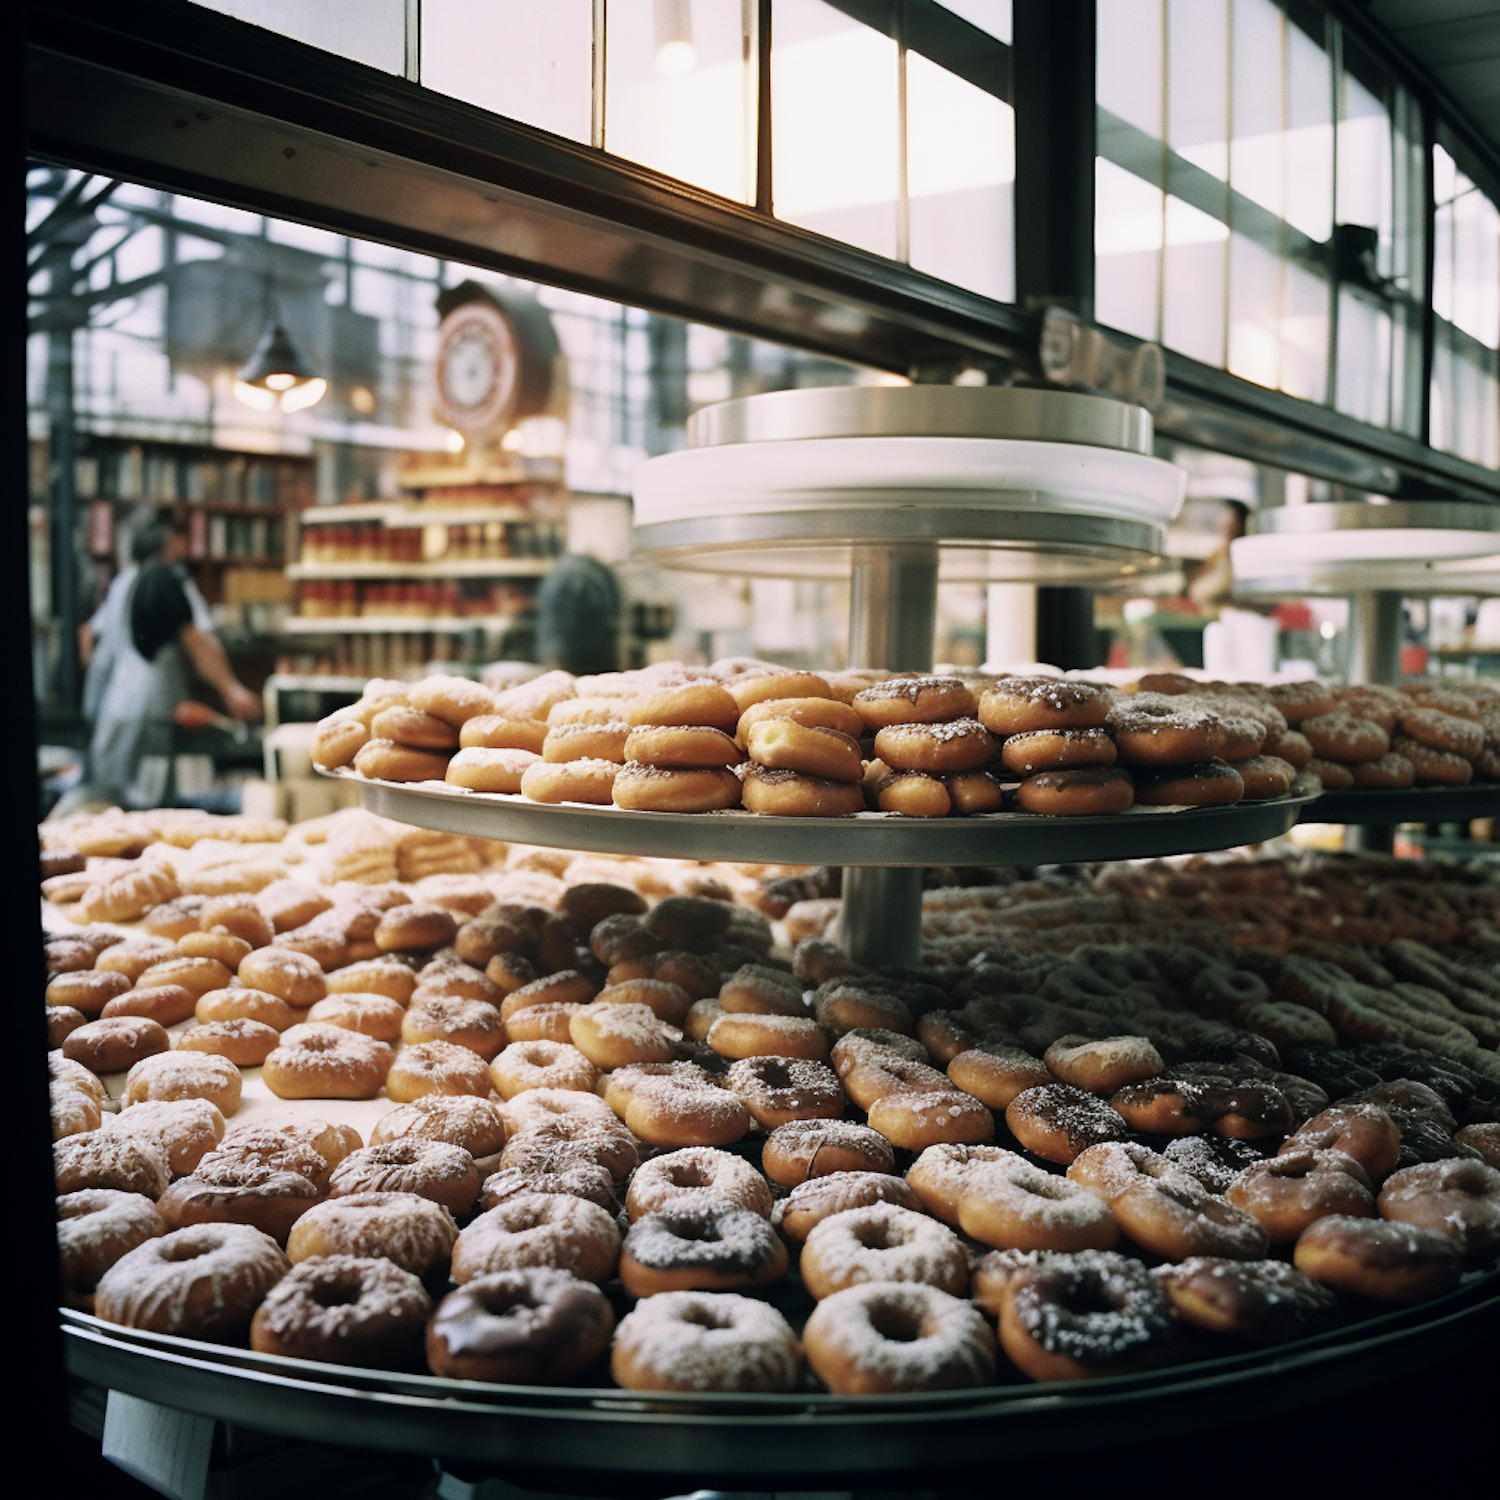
(775, 1440)
(1431, 804)
(871, 838)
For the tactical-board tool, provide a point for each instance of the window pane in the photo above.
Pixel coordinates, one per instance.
(1304, 332)
(372, 32)
(1257, 147)
(1130, 62)
(961, 169)
(1309, 135)
(835, 138)
(1254, 312)
(528, 62)
(1476, 264)
(677, 91)
(1365, 170)
(1193, 290)
(1127, 245)
(1364, 368)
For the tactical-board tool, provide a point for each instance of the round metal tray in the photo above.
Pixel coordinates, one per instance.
(1433, 804)
(598, 1433)
(886, 839)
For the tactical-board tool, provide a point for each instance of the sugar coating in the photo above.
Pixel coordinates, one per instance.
(410, 1230)
(885, 1242)
(949, 1344)
(702, 1238)
(709, 1341)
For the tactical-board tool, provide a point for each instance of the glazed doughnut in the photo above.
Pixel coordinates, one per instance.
(914, 1121)
(1382, 1259)
(644, 788)
(1342, 738)
(683, 746)
(411, 1231)
(436, 1068)
(693, 704)
(553, 1230)
(704, 1341)
(1289, 1192)
(1057, 1122)
(792, 794)
(1332, 776)
(1024, 705)
(315, 1061)
(247, 1044)
(531, 1326)
(995, 1072)
(1266, 776)
(1443, 731)
(502, 732)
(95, 1227)
(1431, 764)
(1263, 1301)
(88, 990)
(1364, 1131)
(472, 1024)
(974, 792)
(385, 760)
(778, 1090)
(1207, 783)
(415, 927)
(1104, 1066)
(590, 781)
(541, 1065)
(1086, 791)
(1391, 772)
(846, 1004)
(490, 769)
(344, 1309)
(700, 1247)
(914, 794)
(185, 1075)
(1457, 1198)
(1011, 1204)
(882, 1242)
(186, 1129)
(114, 1044)
(204, 1282)
(1056, 750)
(442, 1173)
(696, 1176)
(1165, 732)
(816, 713)
(1076, 1317)
(1165, 1210)
(229, 1189)
(914, 700)
(805, 1150)
(819, 1198)
(884, 1337)
(785, 745)
(739, 1036)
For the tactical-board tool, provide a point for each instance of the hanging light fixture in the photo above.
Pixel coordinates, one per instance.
(675, 52)
(277, 377)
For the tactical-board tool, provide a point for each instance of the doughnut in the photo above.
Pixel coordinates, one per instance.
(338, 739)
(1364, 1131)
(1165, 732)
(116, 1043)
(675, 1110)
(704, 1341)
(293, 1142)
(566, 987)
(185, 1075)
(1024, 705)
(1011, 1204)
(315, 1061)
(1457, 1198)
(680, 746)
(974, 792)
(1057, 1122)
(1300, 700)
(239, 917)
(502, 732)
(580, 1179)
(612, 1036)
(385, 760)
(1173, 1106)
(431, 1169)
(387, 976)
(1262, 1301)
(1165, 1210)
(590, 781)
(882, 1242)
(542, 1023)
(1483, 1138)
(793, 794)
(563, 1140)
(913, 1121)
(174, 918)
(995, 1072)
(346, 1310)
(1383, 1259)
(1266, 776)
(751, 1035)
(695, 1176)
(1084, 791)
(554, 1230)
(131, 958)
(229, 1189)
(186, 1129)
(756, 989)
(806, 1150)
(481, 938)
(877, 1074)
(785, 745)
(874, 1045)
(455, 700)
(778, 1090)
(1054, 750)
(121, 1162)
(1343, 739)
(242, 1003)
(1104, 1066)
(88, 990)
(72, 1112)
(376, 1016)
(459, 1119)
(588, 741)
(411, 1231)
(1443, 731)
(1391, 772)
(541, 1065)
(815, 713)
(436, 1068)
(1289, 1192)
(883, 1337)
(763, 687)
(1243, 737)
(1291, 746)
(1431, 764)
(1332, 776)
(538, 1107)
(489, 769)
(1366, 704)
(64, 1073)
(472, 1024)
(700, 1247)
(914, 700)
(204, 1282)
(531, 1326)
(1206, 783)
(246, 1044)
(820, 1198)
(415, 927)
(646, 788)
(913, 794)
(223, 946)
(846, 1004)
(693, 704)
(95, 1227)
(1077, 1317)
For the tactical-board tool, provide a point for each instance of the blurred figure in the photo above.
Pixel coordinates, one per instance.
(578, 616)
(1213, 583)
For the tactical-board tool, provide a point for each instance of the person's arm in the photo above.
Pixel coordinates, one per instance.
(86, 641)
(211, 663)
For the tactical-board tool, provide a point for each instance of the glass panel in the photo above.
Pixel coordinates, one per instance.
(1257, 168)
(372, 32)
(835, 130)
(962, 201)
(1476, 263)
(1128, 217)
(1254, 312)
(528, 62)
(1304, 332)
(1193, 292)
(1364, 358)
(993, 16)
(1364, 166)
(1130, 62)
(677, 90)
(1309, 135)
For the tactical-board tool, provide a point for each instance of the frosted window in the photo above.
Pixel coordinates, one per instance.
(1364, 359)
(372, 32)
(1254, 312)
(1309, 136)
(528, 62)
(1130, 62)
(1128, 216)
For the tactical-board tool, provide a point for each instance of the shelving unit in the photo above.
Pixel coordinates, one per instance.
(504, 567)
(394, 624)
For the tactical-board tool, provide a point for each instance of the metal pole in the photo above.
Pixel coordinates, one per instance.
(1374, 656)
(62, 438)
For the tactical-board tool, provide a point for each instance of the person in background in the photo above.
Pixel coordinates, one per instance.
(1213, 583)
(578, 616)
(141, 648)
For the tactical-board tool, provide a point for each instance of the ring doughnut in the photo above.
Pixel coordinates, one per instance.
(882, 1242)
(228, 1189)
(1301, 700)
(411, 1231)
(816, 713)
(186, 1129)
(562, 1140)
(585, 741)
(435, 1170)
(502, 732)
(700, 1247)
(95, 1227)
(541, 1065)
(435, 1068)
(412, 729)
(763, 687)
(116, 1043)
(472, 1024)
(385, 760)
(185, 1075)
(646, 788)
(1457, 1198)
(88, 990)
(612, 1036)
(875, 1076)
(246, 1044)
(804, 1150)
(785, 745)
(1264, 1301)
(704, 1341)
(455, 700)
(414, 927)
(845, 1004)
(375, 1016)
(995, 1072)
(696, 1175)
(793, 794)
(913, 1121)
(1443, 731)
(122, 1162)
(1058, 1122)
(551, 1230)
(588, 781)
(1084, 791)
(1267, 776)
(1364, 1131)
(1011, 1204)
(459, 1119)
(490, 768)
(1391, 772)
(819, 1198)
(1291, 746)
(1382, 1259)
(1342, 738)
(1431, 764)
(778, 1090)
(295, 977)
(745, 1035)
(974, 792)
(314, 1061)
(1102, 1066)
(1244, 738)
(693, 704)
(1023, 705)
(913, 794)
(938, 1176)
(683, 746)
(1332, 776)
(1289, 1192)
(1165, 732)
(1206, 783)
(1055, 750)
(914, 700)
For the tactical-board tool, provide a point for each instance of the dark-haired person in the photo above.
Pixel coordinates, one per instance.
(142, 647)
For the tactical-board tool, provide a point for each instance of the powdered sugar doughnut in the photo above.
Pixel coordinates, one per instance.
(1431, 765)
(539, 1229)
(644, 788)
(678, 1106)
(777, 1090)
(1165, 732)
(407, 1229)
(1382, 1259)
(590, 781)
(705, 1341)
(882, 1242)
(696, 1175)
(436, 1068)
(806, 1149)
(1024, 705)
(1457, 1198)
(613, 1036)
(819, 1198)
(1056, 750)
(460, 1119)
(186, 1129)
(315, 1061)
(185, 1075)
(1057, 1122)
(1102, 1066)
(558, 1143)
(431, 1169)
(703, 1247)
(1014, 1205)
(915, 1121)
(1287, 1193)
(995, 1072)
(1264, 1301)
(739, 1036)
(537, 1065)
(1342, 738)
(95, 1227)
(939, 1174)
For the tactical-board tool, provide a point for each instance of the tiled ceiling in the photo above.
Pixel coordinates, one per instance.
(1458, 41)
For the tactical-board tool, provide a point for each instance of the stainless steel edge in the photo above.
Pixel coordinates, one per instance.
(1416, 515)
(925, 411)
(1437, 804)
(1337, 580)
